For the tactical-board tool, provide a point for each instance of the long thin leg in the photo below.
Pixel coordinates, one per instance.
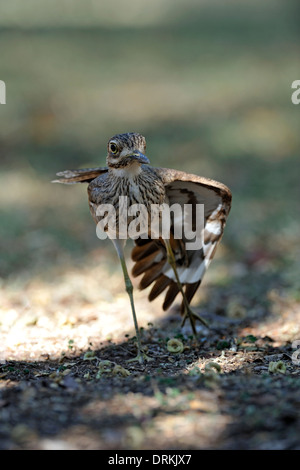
(188, 311)
(141, 356)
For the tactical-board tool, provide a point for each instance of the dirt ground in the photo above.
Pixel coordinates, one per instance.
(66, 383)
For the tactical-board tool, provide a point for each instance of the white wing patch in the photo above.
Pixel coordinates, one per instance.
(189, 274)
(200, 259)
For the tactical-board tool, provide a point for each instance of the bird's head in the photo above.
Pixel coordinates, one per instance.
(126, 151)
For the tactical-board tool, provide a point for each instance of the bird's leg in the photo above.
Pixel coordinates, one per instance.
(188, 311)
(141, 356)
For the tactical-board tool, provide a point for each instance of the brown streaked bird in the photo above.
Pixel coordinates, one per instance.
(166, 263)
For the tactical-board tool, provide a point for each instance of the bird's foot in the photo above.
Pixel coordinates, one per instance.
(192, 316)
(141, 358)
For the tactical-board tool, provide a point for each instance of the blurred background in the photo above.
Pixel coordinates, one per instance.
(208, 83)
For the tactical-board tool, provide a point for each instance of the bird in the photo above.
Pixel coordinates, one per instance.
(170, 264)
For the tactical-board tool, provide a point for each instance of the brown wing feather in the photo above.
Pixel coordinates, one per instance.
(144, 247)
(170, 295)
(161, 283)
(147, 262)
(151, 274)
(183, 188)
(84, 175)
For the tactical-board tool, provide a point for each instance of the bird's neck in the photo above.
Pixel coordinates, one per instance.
(128, 172)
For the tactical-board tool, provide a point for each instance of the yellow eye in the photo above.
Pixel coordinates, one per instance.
(113, 148)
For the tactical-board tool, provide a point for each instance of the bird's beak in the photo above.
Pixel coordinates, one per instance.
(140, 157)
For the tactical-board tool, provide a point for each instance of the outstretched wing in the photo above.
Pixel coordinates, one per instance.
(84, 175)
(150, 255)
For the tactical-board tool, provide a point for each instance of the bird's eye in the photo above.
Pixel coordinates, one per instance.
(113, 148)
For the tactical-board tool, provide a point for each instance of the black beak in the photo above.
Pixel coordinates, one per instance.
(140, 157)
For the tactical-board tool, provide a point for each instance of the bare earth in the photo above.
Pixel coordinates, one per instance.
(66, 383)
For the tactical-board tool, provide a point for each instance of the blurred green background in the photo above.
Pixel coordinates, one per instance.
(207, 82)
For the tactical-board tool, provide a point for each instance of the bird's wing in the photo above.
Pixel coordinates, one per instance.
(84, 175)
(150, 255)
